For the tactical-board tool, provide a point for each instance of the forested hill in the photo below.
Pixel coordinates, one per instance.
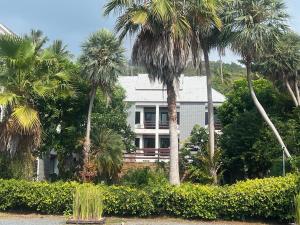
(231, 72)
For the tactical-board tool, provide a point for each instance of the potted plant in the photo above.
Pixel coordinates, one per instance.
(87, 205)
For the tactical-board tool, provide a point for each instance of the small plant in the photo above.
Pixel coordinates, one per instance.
(87, 203)
(297, 209)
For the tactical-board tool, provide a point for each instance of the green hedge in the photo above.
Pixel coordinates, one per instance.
(270, 198)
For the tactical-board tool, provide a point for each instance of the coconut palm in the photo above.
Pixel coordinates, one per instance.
(254, 25)
(26, 76)
(206, 25)
(162, 47)
(102, 60)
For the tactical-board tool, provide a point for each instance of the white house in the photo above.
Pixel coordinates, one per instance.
(148, 113)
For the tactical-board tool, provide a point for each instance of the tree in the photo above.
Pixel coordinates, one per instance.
(253, 25)
(281, 63)
(249, 148)
(196, 161)
(205, 24)
(102, 59)
(161, 46)
(28, 74)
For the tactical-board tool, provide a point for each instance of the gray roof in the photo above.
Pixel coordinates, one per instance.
(191, 89)
(4, 29)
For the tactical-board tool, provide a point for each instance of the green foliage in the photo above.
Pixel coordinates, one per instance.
(144, 177)
(87, 203)
(270, 198)
(249, 147)
(107, 151)
(195, 162)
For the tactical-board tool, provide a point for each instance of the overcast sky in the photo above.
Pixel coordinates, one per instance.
(73, 20)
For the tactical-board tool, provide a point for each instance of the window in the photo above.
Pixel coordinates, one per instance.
(206, 118)
(149, 142)
(178, 118)
(137, 143)
(164, 142)
(137, 117)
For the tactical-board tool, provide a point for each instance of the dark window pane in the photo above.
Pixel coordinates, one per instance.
(137, 143)
(164, 142)
(178, 118)
(149, 142)
(137, 117)
(206, 118)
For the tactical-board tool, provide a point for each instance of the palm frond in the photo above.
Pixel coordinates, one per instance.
(7, 98)
(26, 118)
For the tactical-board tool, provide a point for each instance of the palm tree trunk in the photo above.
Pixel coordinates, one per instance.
(263, 112)
(221, 68)
(87, 142)
(297, 88)
(211, 122)
(290, 90)
(174, 165)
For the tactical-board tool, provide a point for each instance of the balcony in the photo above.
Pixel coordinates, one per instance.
(149, 124)
(163, 125)
(148, 154)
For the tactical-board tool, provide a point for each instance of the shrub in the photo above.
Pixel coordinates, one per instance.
(144, 177)
(270, 198)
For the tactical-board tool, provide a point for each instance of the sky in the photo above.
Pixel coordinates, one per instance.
(72, 21)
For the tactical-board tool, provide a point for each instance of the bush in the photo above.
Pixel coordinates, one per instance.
(270, 198)
(144, 177)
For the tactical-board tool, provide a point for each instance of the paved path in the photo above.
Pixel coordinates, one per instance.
(32, 219)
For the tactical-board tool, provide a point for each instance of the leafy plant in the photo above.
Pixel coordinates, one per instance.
(87, 203)
(144, 177)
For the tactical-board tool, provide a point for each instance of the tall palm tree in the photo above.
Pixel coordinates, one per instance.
(162, 47)
(26, 76)
(254, 24)
(102, 60)
(205, 23)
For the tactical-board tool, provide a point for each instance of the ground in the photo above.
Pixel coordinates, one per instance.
(33, 219)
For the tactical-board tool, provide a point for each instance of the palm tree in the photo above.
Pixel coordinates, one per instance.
(38, 38)
(205, 23)
(281, 64)
(102, 60)
(107, 151)
(162, 47)
(254, 25)
(26, 76)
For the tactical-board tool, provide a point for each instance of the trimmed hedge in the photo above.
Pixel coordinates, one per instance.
(270, 198)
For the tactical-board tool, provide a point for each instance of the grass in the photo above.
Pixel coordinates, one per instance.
(87, 203)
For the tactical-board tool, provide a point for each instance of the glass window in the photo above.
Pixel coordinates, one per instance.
(149, 142)
(164, 117)
(206, 118)
(150, 116)
(137, 143)
(137, 117)
(164, 142)
(178, 118)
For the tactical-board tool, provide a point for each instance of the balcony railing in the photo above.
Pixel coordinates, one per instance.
(148, 154)
(149, 124)
(163, 125)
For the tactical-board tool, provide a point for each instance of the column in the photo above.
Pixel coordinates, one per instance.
(157, 127)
